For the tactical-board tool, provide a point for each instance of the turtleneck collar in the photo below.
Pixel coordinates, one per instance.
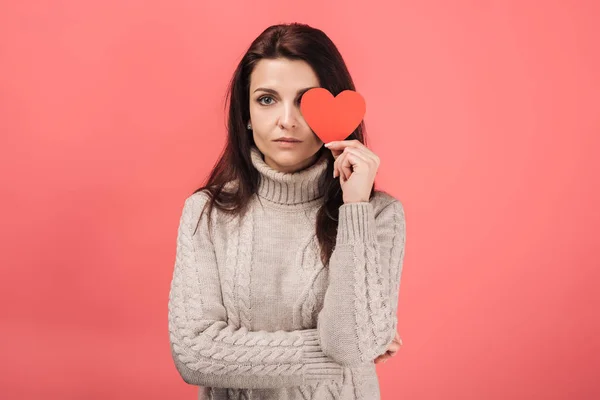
(294, 188)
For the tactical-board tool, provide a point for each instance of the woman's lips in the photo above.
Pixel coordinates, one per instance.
(287, 140)
(286, 144)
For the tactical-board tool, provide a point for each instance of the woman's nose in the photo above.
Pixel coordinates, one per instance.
(290, 117)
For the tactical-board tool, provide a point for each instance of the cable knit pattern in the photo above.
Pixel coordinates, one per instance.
(244, 258)
(305, 309)
(228, 280)
(254, 314)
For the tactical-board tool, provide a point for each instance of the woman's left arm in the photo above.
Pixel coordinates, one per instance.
(358, 320)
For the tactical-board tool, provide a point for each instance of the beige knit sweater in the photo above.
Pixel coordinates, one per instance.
(254, 314)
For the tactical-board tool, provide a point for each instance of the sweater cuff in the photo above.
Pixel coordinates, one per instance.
(356, 223)
(318, 366)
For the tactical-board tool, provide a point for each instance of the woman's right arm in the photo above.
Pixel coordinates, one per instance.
(209, 352)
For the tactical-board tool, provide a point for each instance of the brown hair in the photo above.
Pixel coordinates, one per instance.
(294, 41)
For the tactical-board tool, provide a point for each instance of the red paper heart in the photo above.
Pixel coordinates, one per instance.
(332, 118)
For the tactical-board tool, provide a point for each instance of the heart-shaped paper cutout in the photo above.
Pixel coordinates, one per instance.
(332, 118)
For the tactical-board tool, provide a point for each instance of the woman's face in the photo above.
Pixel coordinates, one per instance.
(276, 87)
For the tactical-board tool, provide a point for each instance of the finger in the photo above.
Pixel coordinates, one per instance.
(397, 338)
(342, 165)
(337, 148)
(394, 346)
(350, 162)
(336, 171)
(341, 144)
(335, 152)
(341, 173)
(381, 358)
(338, 166)
(358, 154)
(393, 352)
(345, 171)
(366, 153)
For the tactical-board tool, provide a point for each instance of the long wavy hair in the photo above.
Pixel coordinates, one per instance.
(294, 41)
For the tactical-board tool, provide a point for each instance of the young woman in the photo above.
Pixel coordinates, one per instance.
(288, 260)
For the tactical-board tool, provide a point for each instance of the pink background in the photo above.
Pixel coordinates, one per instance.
(485, 115)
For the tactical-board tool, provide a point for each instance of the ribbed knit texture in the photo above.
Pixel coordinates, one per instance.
(254, 314)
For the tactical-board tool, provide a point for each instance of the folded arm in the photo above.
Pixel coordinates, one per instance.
(209, 352)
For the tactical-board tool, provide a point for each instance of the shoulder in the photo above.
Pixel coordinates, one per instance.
(194, 203)
(193, 209)
(197, 200)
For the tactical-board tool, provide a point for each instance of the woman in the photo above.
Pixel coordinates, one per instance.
(287, 287)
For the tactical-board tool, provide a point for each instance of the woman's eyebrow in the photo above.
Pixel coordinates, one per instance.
(273, 91)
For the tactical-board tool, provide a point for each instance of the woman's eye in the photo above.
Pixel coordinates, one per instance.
(264, 97)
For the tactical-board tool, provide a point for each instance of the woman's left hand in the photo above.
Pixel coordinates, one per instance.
(391, 351)
(356, 165)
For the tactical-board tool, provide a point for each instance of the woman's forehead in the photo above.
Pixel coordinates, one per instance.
(283, 75)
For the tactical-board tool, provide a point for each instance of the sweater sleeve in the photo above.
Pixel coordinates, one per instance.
(358, 320)
(206, 350)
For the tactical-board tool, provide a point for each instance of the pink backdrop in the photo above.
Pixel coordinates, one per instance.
(485, 115)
